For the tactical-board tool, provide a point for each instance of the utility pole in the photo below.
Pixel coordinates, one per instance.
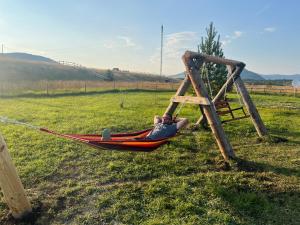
(2, 49)
(161, 48)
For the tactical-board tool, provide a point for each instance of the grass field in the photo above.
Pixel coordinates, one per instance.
(185, 182)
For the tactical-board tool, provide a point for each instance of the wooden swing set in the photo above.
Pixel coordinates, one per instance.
(211, 109)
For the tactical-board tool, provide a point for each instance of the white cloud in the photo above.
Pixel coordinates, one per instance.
(128, 41)
(109, 44)
(229, 38)
(270, 29)
(119, 42)
(263, 10)
(175, 44)
(237, 34)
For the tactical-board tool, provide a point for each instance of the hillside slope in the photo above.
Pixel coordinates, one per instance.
(249, 75)
(28, 57)
(30, 70)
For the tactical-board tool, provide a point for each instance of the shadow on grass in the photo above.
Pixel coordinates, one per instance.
(250, 166)
(259, 206)
(65, 94)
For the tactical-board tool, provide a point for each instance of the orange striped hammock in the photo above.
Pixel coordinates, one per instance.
(135, 141)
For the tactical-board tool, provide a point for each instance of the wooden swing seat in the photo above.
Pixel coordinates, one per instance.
(223, 108)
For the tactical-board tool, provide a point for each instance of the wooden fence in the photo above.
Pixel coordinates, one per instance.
(51, 87)
(271, 89)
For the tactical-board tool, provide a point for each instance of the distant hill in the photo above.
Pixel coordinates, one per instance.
(249, 75)
(282, 77)
(178, 75)
(28, 57)
(27, 67)
(246, 75)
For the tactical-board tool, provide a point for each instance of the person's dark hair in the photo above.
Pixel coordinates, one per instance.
(167, 119)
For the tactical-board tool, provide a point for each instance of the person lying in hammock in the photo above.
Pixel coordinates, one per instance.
(165, 127)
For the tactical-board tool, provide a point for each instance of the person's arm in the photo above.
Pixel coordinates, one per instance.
(181, 122)
(157, 119)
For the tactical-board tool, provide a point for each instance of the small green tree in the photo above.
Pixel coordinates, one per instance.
(215, 74)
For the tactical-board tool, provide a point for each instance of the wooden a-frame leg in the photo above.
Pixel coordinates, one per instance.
(204, 120)
(251, 108)
(180, 92)
(209, 110)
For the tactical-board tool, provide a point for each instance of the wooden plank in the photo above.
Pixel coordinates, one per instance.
(11, 186)
(236, 118)
(223, 112)
(191, 100)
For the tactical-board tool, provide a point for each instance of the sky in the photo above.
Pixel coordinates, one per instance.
(264, 34)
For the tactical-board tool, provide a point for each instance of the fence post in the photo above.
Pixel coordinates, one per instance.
(84, 86)
(47, 88)
(11, 185)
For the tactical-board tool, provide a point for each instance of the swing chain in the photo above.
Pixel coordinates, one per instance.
(178, 111)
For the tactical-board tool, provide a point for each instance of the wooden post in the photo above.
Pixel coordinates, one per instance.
(155, 95)
(11, 186)
(84, 86)
(180, 92)
(209, 110)
(47, 88)
(256, 119)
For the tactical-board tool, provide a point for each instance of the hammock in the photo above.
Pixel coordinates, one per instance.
(135, 141)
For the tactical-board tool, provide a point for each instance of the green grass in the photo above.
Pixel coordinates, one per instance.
(185, 182)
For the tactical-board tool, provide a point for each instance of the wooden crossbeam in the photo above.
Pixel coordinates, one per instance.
(224, 112)
(236, 118)
(191, 100)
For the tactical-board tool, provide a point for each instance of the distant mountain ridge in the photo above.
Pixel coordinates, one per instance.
(282, 77)
(246, 75)
(249, 75)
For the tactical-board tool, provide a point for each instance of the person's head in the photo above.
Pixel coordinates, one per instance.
(166, 119)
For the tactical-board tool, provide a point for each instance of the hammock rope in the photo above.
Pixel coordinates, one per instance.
(6, 120)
